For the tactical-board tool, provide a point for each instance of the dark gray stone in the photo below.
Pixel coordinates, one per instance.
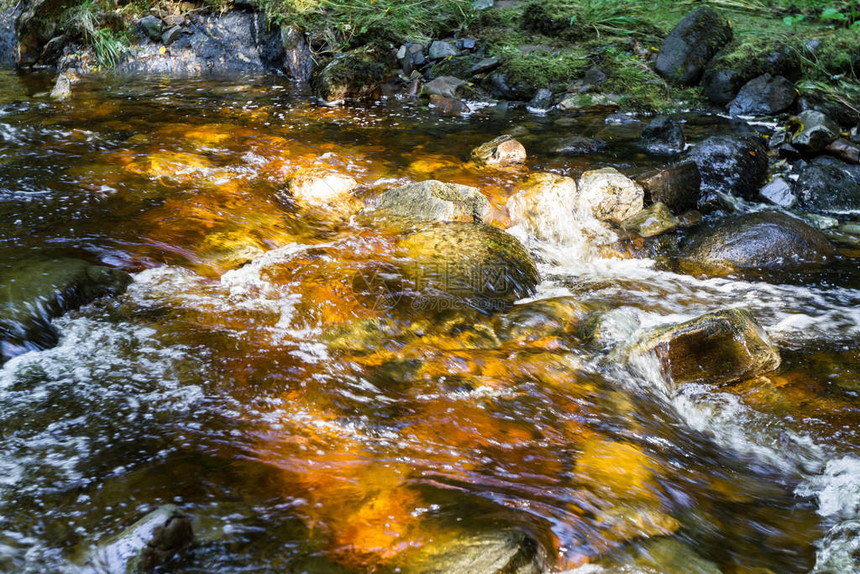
(171, 35)
(577, 145)
(663, 136)
(827, 185)
(542, 100)
(688, 47)
(756, 242)
(440, 50)
(732, 164)
(152, 27)
(764, 96)
(726, 73)
(845, 150)
(677, 186)
(484, 65)
(446, 86)
(8, 39)
(466, 44)
(32, 292)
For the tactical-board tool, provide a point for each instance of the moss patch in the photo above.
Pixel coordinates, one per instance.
(542, 69)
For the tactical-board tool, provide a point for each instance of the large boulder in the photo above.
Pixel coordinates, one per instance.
(544, 206)
(501, 151)
(33, 292)
(716, 348)
(755, 242)
(740, 62)
(677, 186)
(688, 47)
(40, 21)
(764, 96)
(609, 195)
(828, 185)
(286, 48)
(433, 200)
(147, 544)
(732, 164)
(663, 136)
(356, 74)
(469, 264)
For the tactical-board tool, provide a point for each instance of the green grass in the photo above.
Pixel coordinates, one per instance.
(542, 69)
(108, 45)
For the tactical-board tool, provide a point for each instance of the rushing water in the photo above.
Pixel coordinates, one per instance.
(306, 430)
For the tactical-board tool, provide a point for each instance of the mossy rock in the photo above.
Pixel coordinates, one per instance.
(743, 60)
(691, 44)
(357, 74)
(458, 66)
(472, 264)
(526, 73)
(837, 53)
(557, 18)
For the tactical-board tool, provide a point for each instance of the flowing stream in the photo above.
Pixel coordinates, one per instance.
(243, 378)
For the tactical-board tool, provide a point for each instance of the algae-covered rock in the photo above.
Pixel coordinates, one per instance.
(554, 317)
(433, 200)
(467, 263)
(742, 60)
(356, 74)
(501, 151)
(756, 242)
(609, 195)
(32, 292)
(654, 220)
(716, 348)
(691, 44)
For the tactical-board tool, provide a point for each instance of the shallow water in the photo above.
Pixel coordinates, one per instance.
(307, 429)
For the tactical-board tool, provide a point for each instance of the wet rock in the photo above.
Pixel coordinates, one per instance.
(590, 102)
(828, 185)
(144, 546)
(812, 131)
(577, 145)
(446, 86)
(482, 4)
(324, 190)
(671, 556)
(541, 102)
(448, 106)
(33, 292)
(435, 201)
(8, 40)
(691, 44)
(465, 44)
(736, 64)
(355, 74)
(677, 186)
(285, 48)
(755, 242)
(838, 111)
(508, 550)
(732, 164)
(468, 264)
(845, 150)
(171, 35)
(617, 470)
(499, 86)
(40, 21)
(609, 195)
(152, 27)
(544, 205)
(779, 192)
(652, 221)
(716, 348)
(411, 56)
(690, 218)
(764, 96)
(663, 136)
(440, 50)
(502, 151)
(535, 320)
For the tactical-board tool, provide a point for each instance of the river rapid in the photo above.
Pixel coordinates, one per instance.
(248, 377)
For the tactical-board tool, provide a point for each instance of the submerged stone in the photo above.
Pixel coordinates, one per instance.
(535, 320)
(577, 145)
(324, 190)
(663, 136)
(33, 292)
(502, 151)
(609, 195)
(716, 348)
(147, 544)
(433, 200)
(467, 263)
